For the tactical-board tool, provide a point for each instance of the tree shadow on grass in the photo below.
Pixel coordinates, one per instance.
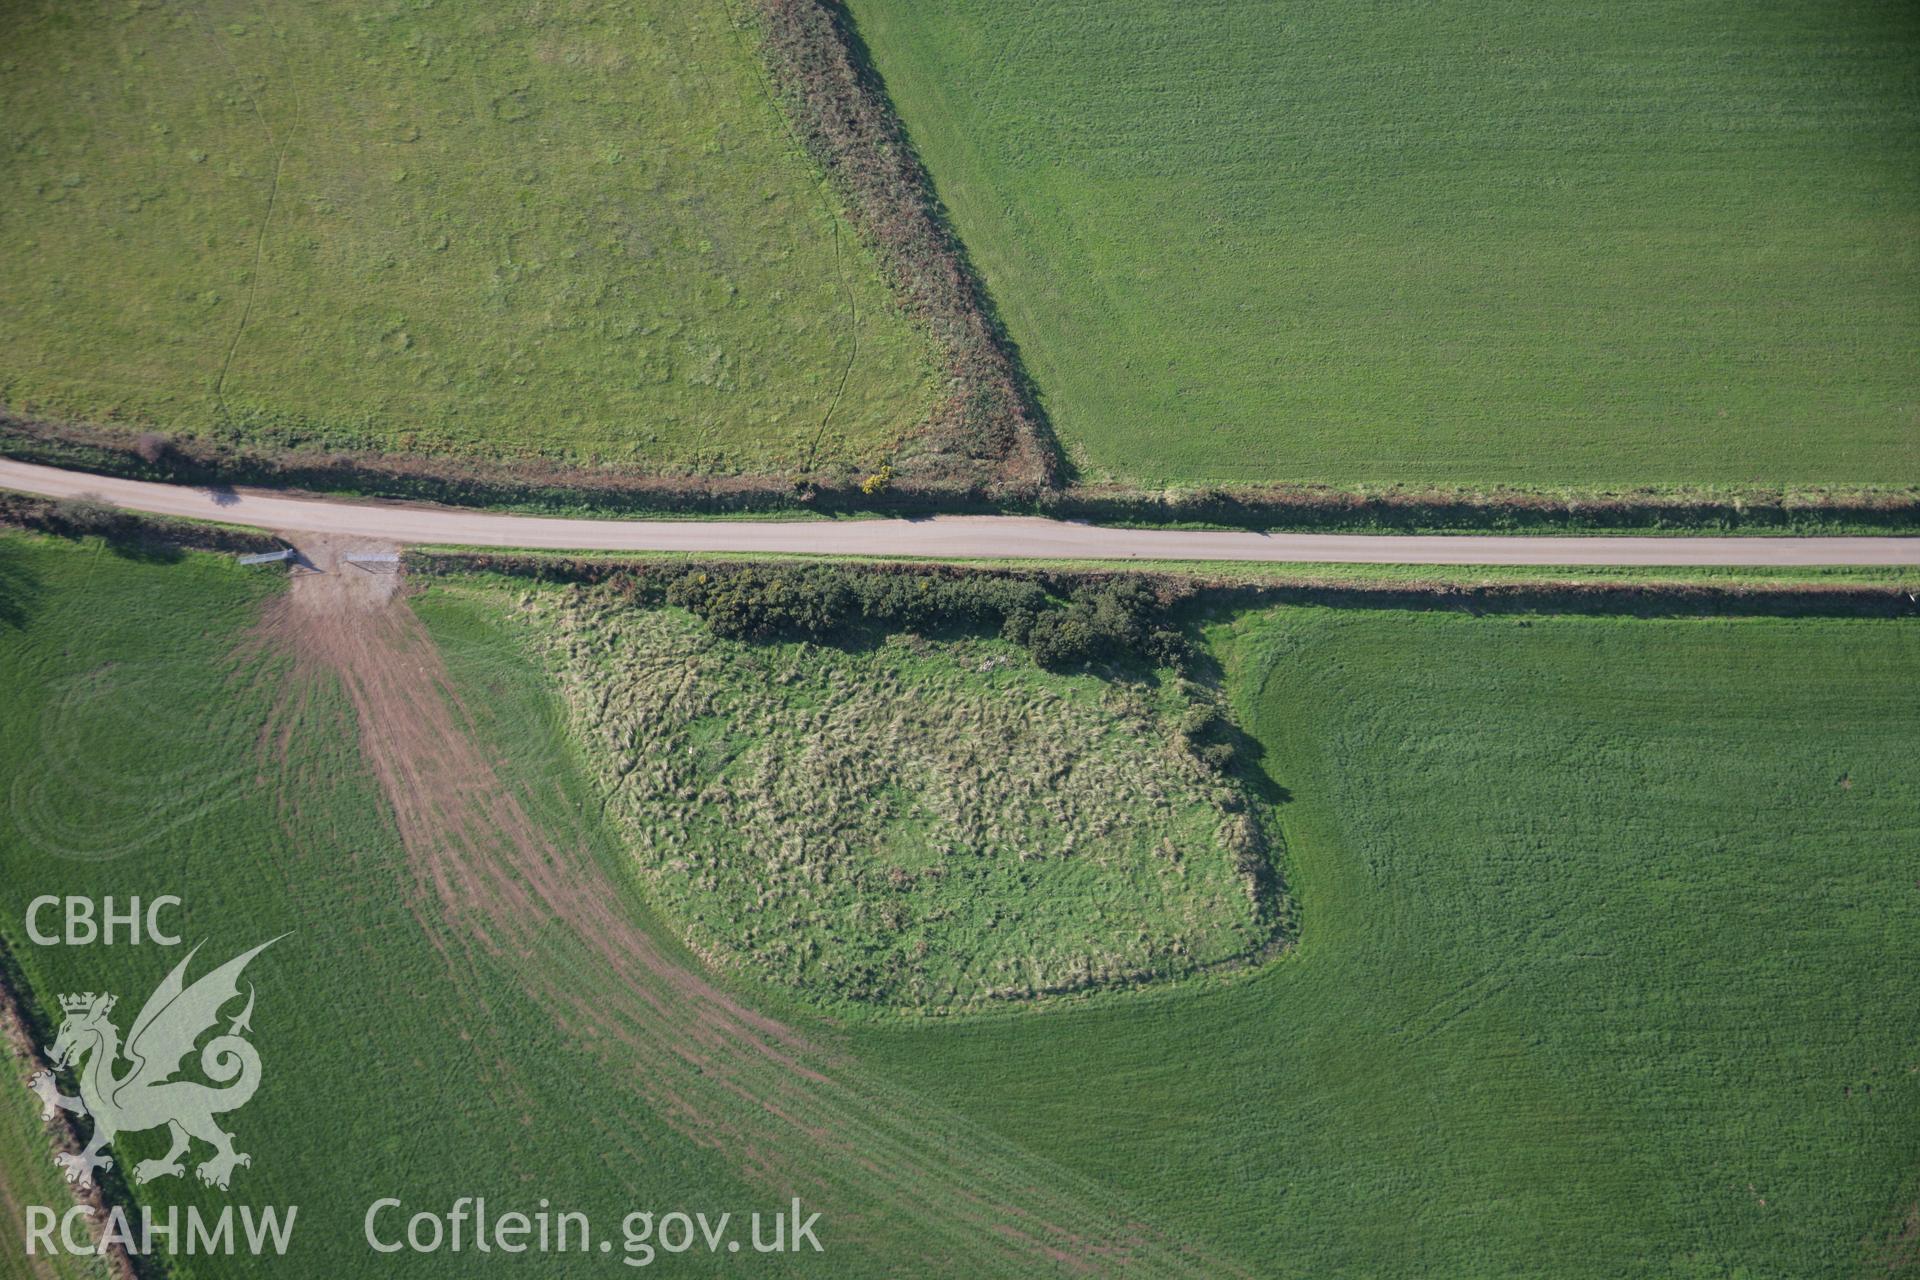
(1248, 761)
(144, 548)
(20, 588)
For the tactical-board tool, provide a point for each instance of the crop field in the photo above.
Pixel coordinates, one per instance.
(483, 229)
(153, 748)
(1604, 962)
(1643, 244)
(1570, 994)
(473, 999)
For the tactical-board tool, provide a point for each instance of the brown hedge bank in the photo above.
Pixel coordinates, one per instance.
(988, 430)
(22, 1032)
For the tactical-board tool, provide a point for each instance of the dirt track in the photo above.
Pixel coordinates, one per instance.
(974, 537)
(498, 894)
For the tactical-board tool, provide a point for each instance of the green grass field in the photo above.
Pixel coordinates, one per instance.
(481, 229)
(428, 1046)
(1604, 929)
(1604, 966)
(1651, 244)
(140, 758)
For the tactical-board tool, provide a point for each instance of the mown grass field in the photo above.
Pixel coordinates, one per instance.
(479, 229)
(1604, 962)
(1649, 244)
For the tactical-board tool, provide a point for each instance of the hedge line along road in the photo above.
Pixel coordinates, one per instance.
(971, 537)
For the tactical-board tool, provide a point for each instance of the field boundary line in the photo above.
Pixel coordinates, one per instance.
(939, 537)
(16, 1030)
(549, 485)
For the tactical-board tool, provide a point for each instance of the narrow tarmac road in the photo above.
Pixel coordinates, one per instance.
(973, 537)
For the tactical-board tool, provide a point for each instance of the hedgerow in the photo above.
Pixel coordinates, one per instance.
(536, 484)
(85, 517)
(1112, 620)
(987, 429)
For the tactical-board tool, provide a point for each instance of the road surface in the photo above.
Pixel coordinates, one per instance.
(974, 537)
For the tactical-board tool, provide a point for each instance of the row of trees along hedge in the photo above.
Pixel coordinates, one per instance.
(1117, 620)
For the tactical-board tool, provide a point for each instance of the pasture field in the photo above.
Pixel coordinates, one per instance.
(1643, 244)
(1603, 970)
(481, 1007)
(484, 229)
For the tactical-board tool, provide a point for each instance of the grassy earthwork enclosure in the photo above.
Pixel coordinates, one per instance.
(1600, 924)
(1647, 244)
(477, 229)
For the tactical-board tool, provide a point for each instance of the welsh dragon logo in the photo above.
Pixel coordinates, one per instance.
(145, 1095)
